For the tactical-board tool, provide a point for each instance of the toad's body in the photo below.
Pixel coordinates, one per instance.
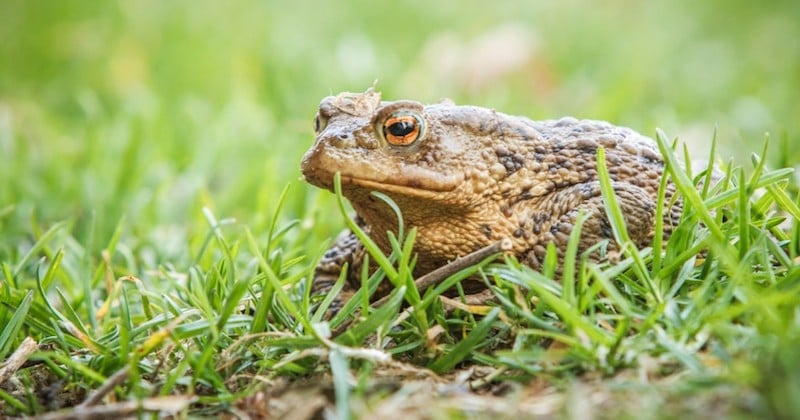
(465, 177)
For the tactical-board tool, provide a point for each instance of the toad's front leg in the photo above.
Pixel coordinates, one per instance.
(345, 253)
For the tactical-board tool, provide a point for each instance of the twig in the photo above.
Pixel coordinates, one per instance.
(169, 405)
(440, 274)
(119, 377)
(17, 359)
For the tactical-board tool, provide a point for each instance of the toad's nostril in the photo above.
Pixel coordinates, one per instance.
(343, 140)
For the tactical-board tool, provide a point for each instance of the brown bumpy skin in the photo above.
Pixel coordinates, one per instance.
(466, 177)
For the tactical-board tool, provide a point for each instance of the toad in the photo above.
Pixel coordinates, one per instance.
(466, 177)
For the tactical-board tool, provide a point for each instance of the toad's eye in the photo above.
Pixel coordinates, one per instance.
(320, 122)
(402, 129)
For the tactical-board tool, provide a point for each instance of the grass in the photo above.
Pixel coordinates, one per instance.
(719, 310)
(154, 235)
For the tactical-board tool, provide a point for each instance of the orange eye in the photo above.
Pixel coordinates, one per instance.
(402, 130)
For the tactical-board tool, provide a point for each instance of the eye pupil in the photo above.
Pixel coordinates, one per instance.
(401, 128)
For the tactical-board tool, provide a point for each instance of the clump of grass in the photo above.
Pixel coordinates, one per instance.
(717, 306)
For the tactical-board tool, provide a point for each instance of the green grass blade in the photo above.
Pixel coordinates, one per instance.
(617, 220)
(332, 294)
(232, 301)
(382, 316)
(361, 296)
(709, 176)
(396, 210)
(10, 330)
(783, 200)
(570, 260)
(40, 243)
(373, 249)
(658, 232)
(340, 369)
(686, 187)
(9, 277)
(433, 293)
(263, 305)
(759, 162)
(613, 211)
(744, 216)
(570, 314)
(72, 364)
(51, 270)
(769, 178)
(13, 402)
(271, 234)
(462, 350)
(619, 299)
(276, 285)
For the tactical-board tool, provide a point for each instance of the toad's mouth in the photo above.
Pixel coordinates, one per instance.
(405, 187)
(413, 186)
(400, 178)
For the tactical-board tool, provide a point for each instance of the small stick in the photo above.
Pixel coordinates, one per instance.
(440, 274)
(18, 358)
(437, 276)
(117, 378)
(167, 405)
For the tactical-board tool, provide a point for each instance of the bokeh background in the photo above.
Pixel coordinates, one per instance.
(146, 111)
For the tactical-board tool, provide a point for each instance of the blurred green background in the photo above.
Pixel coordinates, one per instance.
(152, 109)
